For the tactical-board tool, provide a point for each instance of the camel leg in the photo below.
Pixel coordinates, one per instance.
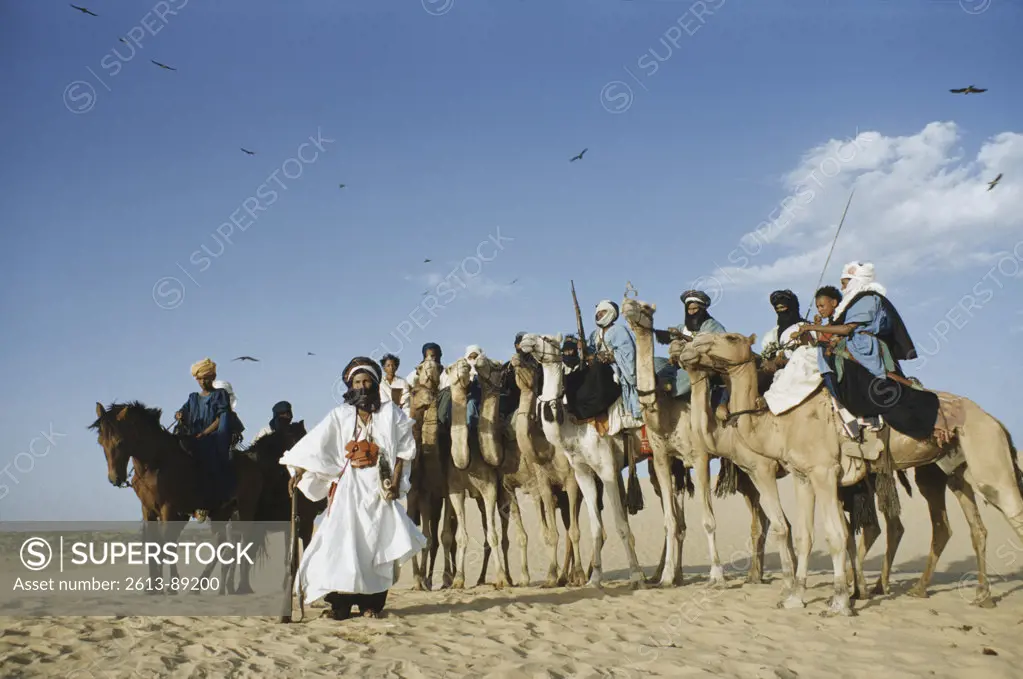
(825, 486)
(588, 485)
(859, 547)
(547, 506)
(481, 505)
(610, 478)
(491, 513)
(447, 538)
(978, 535)
(805, 502)
(666, 493)
(434, 508)
(764, 477)
(574, 570)
(521, 538)
(894, 530)
(758, 532)
(702, 466)
(420, 515)
(457, 503)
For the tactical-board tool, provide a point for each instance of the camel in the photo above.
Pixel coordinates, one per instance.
(590, 454)
(668, 430)
(470, 475)
(531, 465)
(806, 440)
(426, 499)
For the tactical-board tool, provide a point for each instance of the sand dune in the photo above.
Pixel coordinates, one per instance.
(690, 631)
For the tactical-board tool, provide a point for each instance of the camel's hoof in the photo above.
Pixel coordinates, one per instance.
(985, 602)
(594, 580)
(791, 603)
(418, 587)
(501, 583)
(881, 590)
(837, 607)
(428, 584)
(918, 592)
(637, 581)
(716, 583)
(551, 583)
(754, 580)
(458, 583)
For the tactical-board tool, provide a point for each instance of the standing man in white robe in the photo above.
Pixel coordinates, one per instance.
(360, 458)
(392, 385)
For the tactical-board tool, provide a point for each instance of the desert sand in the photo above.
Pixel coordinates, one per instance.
(528, 631)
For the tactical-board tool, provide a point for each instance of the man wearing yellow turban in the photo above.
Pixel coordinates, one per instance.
(206, 418)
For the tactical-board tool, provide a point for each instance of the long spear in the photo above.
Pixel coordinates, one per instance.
(833, 243)
(579, 325)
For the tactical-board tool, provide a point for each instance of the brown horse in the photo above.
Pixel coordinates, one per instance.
(267, 499)
(166, 478)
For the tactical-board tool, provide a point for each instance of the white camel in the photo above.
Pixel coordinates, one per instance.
(591, 454)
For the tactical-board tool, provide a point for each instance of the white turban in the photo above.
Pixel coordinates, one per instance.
(861, 279)
(607, 313)
(473, 349)
(226, 386)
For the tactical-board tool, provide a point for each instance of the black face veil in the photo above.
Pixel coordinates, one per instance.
(367, 399)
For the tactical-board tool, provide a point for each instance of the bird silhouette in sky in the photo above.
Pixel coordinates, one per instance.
(341, 186)
(245, 358)
(251, 153)
(85, 10)
(969, 90)
(123, 40)
(994, 182)
(169, 68)
(309, 353)
(514, 282)
(427, 261)
(579, 157)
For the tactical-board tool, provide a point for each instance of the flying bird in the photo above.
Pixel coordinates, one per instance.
(514, 282)
(340, 186)
(84, 10)
(969, 90)
(169, 68)
(994, 182)
(245, 358)
(251, 153)
(427, 261)
(579, 157)
(309, 353)
(123, 40)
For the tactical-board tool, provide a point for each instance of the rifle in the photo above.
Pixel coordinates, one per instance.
(579, 325)
(828, 260)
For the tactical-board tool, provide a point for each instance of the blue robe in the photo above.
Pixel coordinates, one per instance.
(865, 348)
(666, 372)
(622, 342)
(214, 449)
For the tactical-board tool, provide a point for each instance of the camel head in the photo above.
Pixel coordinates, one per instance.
(427, 383)
(490, 372)
(716, 352)
(118, 428)
(459, 373)
(640, 315)
(525, 367)
(544, 348)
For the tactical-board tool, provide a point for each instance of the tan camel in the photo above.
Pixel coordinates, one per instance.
(806, 441)
(592, 455)
(472, 476)
(428, 495)
(544, 475)
(668, 429)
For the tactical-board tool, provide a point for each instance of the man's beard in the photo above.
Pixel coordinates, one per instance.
(367, 400)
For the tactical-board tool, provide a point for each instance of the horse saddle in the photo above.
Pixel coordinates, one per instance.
(362, 453)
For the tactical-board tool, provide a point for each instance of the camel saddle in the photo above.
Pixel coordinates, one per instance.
(362, 453)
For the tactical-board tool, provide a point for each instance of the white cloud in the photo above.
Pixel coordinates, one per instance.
(479, 286)
(920, 202)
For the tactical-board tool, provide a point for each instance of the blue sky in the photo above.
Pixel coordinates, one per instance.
(448, 129)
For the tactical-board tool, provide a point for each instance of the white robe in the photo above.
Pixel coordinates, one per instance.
(362, 535)
(398, 383)
(800, 377)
